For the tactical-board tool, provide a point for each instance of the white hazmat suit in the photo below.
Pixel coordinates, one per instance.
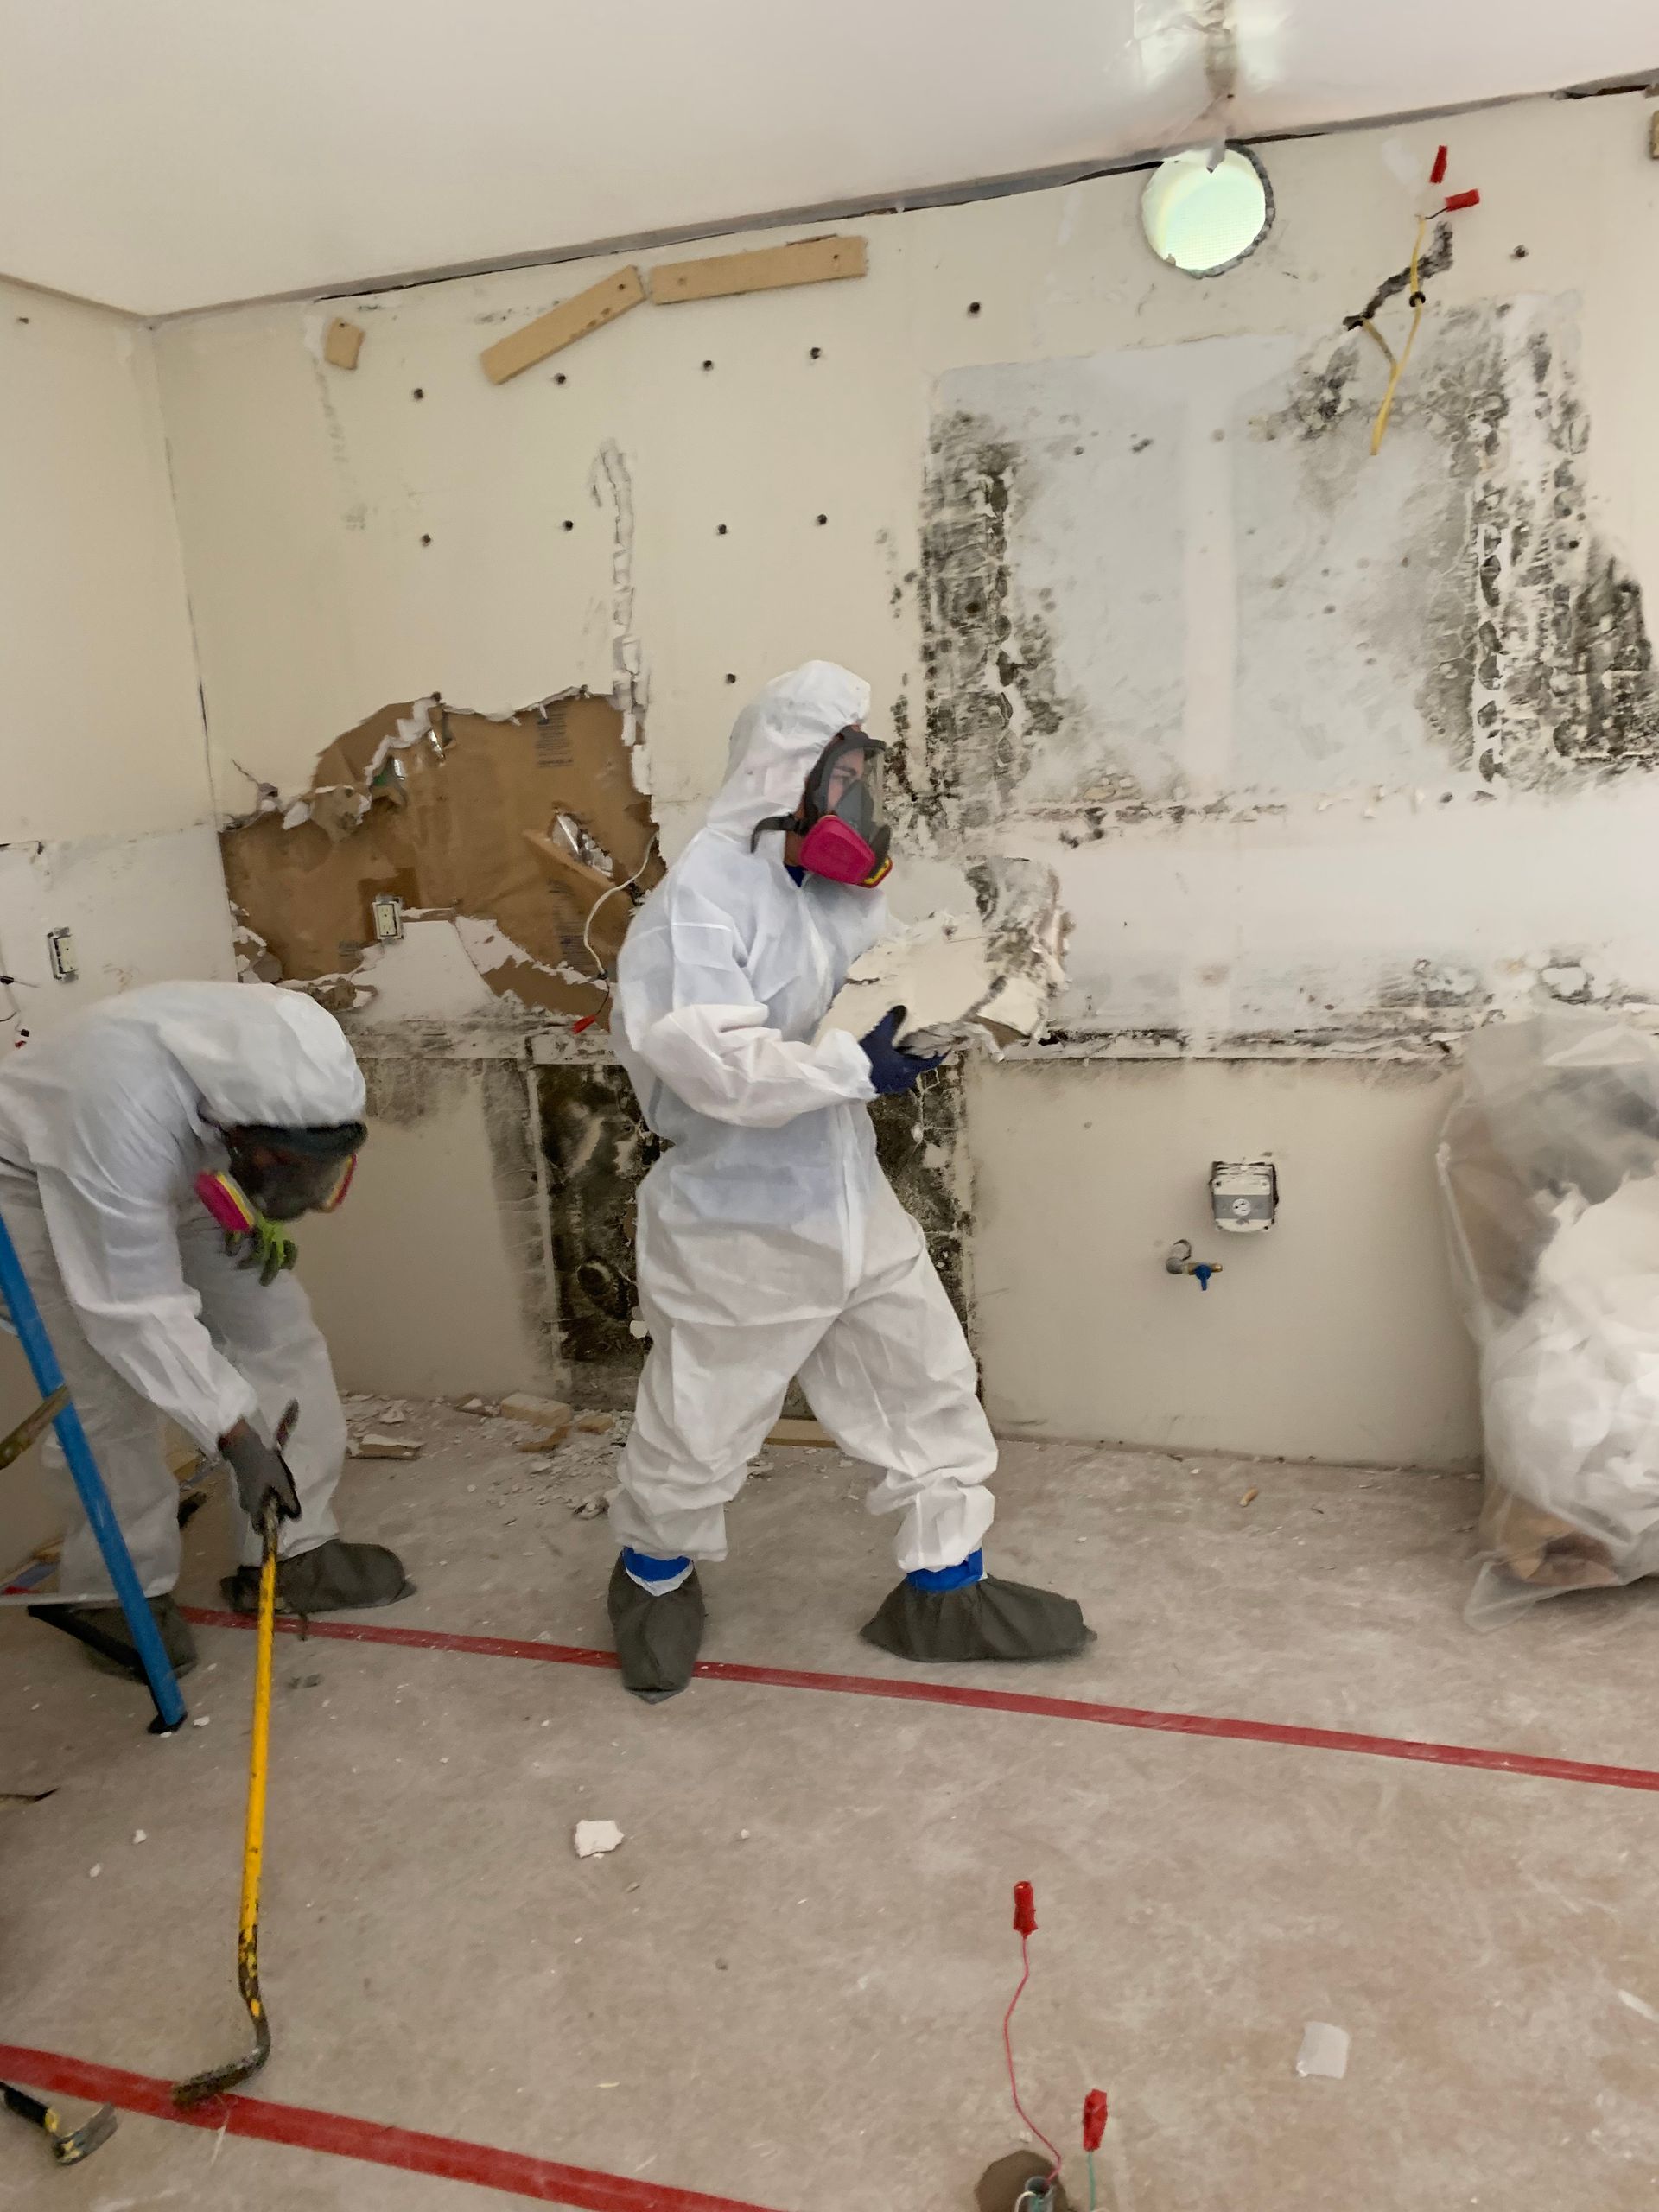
(105, 1125)
(770, 1243)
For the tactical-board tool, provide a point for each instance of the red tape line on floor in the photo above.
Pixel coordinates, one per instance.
(482, 2164)
(917, 1691)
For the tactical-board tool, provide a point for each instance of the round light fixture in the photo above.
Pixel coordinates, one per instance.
(1205, 220)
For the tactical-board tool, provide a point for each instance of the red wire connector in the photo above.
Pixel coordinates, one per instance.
(1094, 2118)
(1460, 199)
(1025, 1926)
(1437, 175)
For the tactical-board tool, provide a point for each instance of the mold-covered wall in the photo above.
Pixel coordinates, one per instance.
(1333, 754)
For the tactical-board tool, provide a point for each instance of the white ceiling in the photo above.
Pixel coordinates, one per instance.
(162, 154)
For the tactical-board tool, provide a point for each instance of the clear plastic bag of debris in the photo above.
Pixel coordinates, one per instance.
(1549, 1165)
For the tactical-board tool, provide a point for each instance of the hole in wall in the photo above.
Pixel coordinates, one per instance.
(570, 525)
(720, 530)
(708, 365)
(426, 538)
(1205, 221)
(973, 306)
(816, 353)
(730, 678)
(420, 391)
(558, 376)
(822, 521)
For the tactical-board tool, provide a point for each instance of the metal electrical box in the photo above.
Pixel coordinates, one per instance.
(1243, 1194)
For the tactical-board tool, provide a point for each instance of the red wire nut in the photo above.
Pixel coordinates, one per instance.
(1437, 175)
(1094, 2118)
(1461, 200)
(1025, 1909)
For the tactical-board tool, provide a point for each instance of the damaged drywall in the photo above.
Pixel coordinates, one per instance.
(430, 804)
(598, 1149)
(984, 982)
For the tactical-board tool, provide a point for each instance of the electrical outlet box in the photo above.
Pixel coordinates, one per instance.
(60, 951)
(388, 911)
(1243, 1194)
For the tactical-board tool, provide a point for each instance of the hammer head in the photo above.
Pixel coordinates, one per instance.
(70, 2146)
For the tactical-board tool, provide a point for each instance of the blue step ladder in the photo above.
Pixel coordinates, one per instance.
(57, 1408)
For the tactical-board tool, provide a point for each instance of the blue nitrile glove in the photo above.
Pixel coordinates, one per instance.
(892, 1071)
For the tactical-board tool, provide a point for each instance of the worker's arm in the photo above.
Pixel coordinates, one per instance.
(109, 1207)
(713, 1045)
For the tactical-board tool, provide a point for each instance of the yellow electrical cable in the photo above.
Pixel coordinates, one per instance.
(1395, 374)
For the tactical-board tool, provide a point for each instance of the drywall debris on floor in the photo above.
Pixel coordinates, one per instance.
(987, 980)
(1324, 2054)
(594, 1838)
(428, 805)
(383, 1447)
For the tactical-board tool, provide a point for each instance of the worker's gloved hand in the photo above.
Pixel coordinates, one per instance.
(891, 1070)
(266, 1246)
(260, 1473)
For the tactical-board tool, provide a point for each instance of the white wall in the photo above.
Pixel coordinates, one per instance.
(1253, 893)
(107, 815)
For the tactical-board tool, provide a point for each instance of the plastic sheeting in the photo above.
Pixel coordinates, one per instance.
(1549, 1165)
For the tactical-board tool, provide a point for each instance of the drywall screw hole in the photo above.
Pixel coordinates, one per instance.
(817, 353)
(730, 678)
(425, 539)
(720, 530)
(823, 519)
(570, 525)
(973, 306)
(708, 365)
(420, 391)
(558, 376)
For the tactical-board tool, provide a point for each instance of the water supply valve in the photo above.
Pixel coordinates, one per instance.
(1178, 1261)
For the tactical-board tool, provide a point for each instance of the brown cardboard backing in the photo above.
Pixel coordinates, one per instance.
(444, 828)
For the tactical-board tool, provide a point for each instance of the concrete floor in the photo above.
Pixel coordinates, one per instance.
(807, 2018)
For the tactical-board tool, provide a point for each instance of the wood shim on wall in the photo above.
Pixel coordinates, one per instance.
(342, 344)
(562, 326)
(812, 261)
(443, 830)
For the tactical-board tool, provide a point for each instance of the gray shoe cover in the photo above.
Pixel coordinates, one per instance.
(657, 1639)
(176, 1639)
(334, 1577)
(987, 1619)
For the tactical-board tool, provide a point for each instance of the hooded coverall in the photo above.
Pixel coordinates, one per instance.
(770, 1243)
(105, 1125)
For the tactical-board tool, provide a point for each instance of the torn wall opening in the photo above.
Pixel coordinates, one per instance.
(436, 807)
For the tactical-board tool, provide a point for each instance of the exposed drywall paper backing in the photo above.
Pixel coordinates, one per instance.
(444, 828)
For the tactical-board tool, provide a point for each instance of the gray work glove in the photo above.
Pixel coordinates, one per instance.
(260, 1471)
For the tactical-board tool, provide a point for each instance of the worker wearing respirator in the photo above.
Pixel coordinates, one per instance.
(770, 1245)
(151, 1151)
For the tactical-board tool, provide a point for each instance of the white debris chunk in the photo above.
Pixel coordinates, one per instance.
(594, 1837)
(138, 1835)
(383, 1447)
(1324, 2053)
(1638, 2004)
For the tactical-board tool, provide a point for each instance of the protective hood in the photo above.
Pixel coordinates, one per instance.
(258, 1056)
(778, 739)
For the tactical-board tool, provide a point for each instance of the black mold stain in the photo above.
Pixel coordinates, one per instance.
(988, 665)
(597, 1149)
(918, 1140)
